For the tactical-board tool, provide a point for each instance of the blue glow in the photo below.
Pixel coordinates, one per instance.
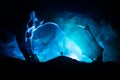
(75, 28)
(73, 25)
(66, 34)
(74, 35)
(58, 44)
(9, 48)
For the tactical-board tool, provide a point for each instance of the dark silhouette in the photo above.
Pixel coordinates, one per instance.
(28, 38)
(61, 53)
(100, 55)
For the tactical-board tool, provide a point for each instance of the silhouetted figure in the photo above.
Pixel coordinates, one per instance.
(61, 53)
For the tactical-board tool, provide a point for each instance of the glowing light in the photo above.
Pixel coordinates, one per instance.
(50, 39)
(66, 35)
(72, 55)
(74, 26)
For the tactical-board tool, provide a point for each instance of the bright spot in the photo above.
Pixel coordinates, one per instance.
(73, 56)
